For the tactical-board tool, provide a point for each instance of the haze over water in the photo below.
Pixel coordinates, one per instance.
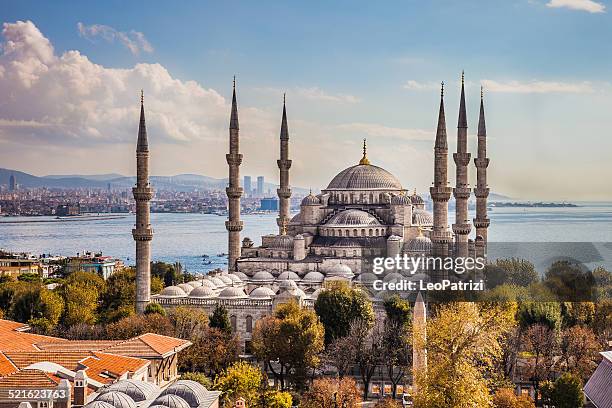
(186, 237)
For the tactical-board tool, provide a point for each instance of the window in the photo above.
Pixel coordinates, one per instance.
(249, 324)
(354, 232)
(233, 321)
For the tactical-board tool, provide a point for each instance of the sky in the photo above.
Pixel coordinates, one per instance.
(71, 75)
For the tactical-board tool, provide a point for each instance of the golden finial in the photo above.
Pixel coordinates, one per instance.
(364, 159)
(283, 228)
(142, 97)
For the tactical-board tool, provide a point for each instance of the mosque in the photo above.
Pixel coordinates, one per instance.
(364, 212)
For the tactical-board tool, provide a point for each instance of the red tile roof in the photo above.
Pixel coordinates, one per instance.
(28, 379)
(14, 337)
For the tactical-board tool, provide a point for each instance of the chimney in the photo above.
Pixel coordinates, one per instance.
(80, 388)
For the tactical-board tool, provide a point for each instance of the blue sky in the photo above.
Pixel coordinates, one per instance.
(350, 69)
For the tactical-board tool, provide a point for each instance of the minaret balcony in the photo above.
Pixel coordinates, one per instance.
(284, 164)
(442, 237)
(233, 226)
(482, 222)
(142, 193)
(462, 159)
(284, 192)
(462, 229)
(142, 234)
(233, 192)
(440, 193)
(480, 192)
(481, 162)
(234, 159)
(462, 193)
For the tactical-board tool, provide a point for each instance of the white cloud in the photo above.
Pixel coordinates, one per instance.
(582, 5)
(525, 87)
(420, 86)
(134, 41)
(313, 93)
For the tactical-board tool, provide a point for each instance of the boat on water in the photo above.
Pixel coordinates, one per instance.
(222, 254)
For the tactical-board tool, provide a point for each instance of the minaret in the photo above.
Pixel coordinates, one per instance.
(284, 192)
(481, 222)
(462, 225)
(440, 191)
(143, 233)
(234, 191)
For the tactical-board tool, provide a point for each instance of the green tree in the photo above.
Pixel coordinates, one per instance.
(119, 295)
(291, 338)
(397, 340)
(220, 319)
(155, 308)
(338, 306)
(546, 313)
(136, 325)
(39, 307)
(240, 380)
(519, 272)
(275, 399)
(211, 353)
(29, 277)
(577, 313)
(397, 310)
(81, 292)
(565, 392)
(200, 378)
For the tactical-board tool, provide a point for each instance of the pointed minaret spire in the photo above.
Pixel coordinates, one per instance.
(462, 226)
(142, 144)
(440, 191)
(142, 233)
(284, 164)
(481, 222)
(234, 225)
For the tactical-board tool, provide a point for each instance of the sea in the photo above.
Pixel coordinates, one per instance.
(199, 241)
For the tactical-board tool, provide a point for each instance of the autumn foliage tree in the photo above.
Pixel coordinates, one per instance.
(506, 398)
(332, 393)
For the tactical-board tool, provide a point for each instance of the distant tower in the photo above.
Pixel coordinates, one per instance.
(12, 183)
(234, 191)
(284, 192)
(440, 191)
(481, 222)
(247, 185)
(260, 186)
(462, 225)
(419, 333)
(143, 233)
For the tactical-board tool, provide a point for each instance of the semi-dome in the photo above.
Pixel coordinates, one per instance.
(281, 242)
(191, 391)
(117, 399)
(311, 199)
(400, 199)
(202, 292)
(416, 199)
(352, 218)
(340, 270)
(173, 291)
(393, 277)
(367, 278)
(314, 276)
(137, 390)
(171, 401)
(262, 276)
(232, 292)
(364, 177)
(419, 244)
(262, 292)
(186, 287)
(288, 275)
(289, 286)
(422, 217)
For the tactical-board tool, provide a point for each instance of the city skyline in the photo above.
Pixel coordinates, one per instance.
(546, 119)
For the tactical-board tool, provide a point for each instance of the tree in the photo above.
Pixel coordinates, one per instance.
(275, 399)
(240, 380)
(332, 393)
(199, 378)
(519, 272)
(569, 282)
(545, 313)
(577, 313)
(120, 294)
(155, 308)
(542, 342)
(579, 350)
(388, 403)
(339, 306)
(463, 344)
(340, 355)
(136, 325)
(506, 398)
(397, 340)
(291, 339)
(39, 307)
(29, 277)
(602, 320)
(81, 291)
(211, 352)
(367, 345)
(565, 392)
(220, 319)
(188, 322)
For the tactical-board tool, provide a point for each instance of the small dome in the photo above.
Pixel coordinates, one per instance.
(209, 283)
(288, 275)
(117, 399)
(419, 244)
(235, 278)
(241, 275)
(351, 218)
(195, 283)
(393, 277)
(171, 401)
(289, 286)
(416, 199)
(311, 199)
(173, 291)
(281, 242)
(262, 292)
(202, 292)
(367, 278)
(99, 404)
(400, 199)
(232, 292)
(137, 390)
(225, 278)
(314, 276)
(262, 276)
(340, 270)
(190, 391)
(186, 287)
(218, 282)
(422, 217)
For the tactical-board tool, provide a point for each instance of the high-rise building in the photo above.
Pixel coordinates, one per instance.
(260, 186)
(12, 183)
(247, 184)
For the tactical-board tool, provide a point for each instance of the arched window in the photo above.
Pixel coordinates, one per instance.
(233, 321)
(347, 233)
(249, 324)
(339, 233)
(370, 232)
(363, 233)
(376, 232)
(354, 232)
(371, 198)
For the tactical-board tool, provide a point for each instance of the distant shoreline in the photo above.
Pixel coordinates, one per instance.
(532, 205)
(65, 219)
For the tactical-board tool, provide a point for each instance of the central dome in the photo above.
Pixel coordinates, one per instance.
(364, 177)
(352, 217)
